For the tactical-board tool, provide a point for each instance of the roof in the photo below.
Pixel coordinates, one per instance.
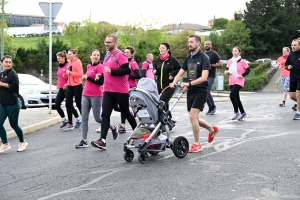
(186, 26)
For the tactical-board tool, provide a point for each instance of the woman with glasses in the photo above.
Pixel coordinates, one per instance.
(166, 68)
(9, 104)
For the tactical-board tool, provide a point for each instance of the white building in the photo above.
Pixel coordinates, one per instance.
(33, 29)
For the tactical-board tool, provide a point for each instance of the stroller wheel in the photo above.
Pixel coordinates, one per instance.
(128, 155)
(143, 157)
(180, 147)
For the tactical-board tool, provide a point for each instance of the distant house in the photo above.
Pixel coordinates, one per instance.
(175, 28)
(20, 20)
(34, 29)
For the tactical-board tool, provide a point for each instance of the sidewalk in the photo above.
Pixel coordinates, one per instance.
(33, 119)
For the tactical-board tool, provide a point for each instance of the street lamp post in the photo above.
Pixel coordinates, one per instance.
(133, 29)
(2, 36)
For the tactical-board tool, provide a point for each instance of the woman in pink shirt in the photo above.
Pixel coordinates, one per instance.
(135, 74)
(147, 67)
(237, 68)
(62, 87)
(284, 74)
(92, 95)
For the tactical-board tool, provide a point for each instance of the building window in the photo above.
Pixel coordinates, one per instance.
(38, 21)
(33, 21)
(13, 21)
(28, 22)
(8, 20)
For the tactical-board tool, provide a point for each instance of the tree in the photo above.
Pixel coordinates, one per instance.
(273, 23)
(235, 34)
(219, 23)
(71, 31)
(179, 42)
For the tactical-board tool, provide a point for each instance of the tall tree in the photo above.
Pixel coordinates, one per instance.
(219, 23)
(236, 34)
(273, 23)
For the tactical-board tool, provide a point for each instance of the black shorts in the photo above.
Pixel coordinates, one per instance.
(196, 100)
(294, 85)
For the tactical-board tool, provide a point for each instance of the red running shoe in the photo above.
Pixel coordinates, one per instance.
(212, 134)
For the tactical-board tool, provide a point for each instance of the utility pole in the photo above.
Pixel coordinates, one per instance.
(50, 10)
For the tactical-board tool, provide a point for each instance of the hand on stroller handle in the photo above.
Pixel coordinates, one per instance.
(173, 85)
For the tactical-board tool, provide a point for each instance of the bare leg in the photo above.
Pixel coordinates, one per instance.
(298, 100)
(195, 124)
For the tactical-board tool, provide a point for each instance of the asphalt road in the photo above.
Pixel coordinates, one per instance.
(257, 158)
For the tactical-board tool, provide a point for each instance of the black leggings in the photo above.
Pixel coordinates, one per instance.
(73, 91)
(110, 101)
(61, 95)
(166, 96)
(235, 98)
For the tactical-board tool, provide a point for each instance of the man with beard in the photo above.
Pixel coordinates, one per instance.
(293, 64)
(215, 62)
(197, 67)
(116, 68)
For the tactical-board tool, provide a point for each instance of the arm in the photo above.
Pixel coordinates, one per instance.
(77, 70)
(288, 63)
(136, 74)
(178, 76)
(97, 82)
(125, 70)
(143, 73)
(176, 67)
(246, 72)
(217, 65)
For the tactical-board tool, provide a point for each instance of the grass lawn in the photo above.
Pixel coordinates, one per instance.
(30, 42)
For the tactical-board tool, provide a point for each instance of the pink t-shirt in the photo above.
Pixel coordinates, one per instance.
(115, 83)
(241, 68)
(61, 80)
(133, 65)
(283, 72)
(149, 69)
(91, 89)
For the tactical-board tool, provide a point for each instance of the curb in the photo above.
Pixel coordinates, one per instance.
(35, 127)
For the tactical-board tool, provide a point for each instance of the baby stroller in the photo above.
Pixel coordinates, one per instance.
(147, 107)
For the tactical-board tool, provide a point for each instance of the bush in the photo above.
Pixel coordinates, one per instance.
(262, 68)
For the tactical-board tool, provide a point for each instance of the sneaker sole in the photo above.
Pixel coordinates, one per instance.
(97, 146)
(80, 147)
(296, 118)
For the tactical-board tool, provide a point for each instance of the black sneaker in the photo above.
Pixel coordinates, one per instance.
(294, 107)
(99, 144)
(115, 133)
(82, 144)
(282, 104)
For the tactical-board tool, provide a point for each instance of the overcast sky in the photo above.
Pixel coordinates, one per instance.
(129, 11)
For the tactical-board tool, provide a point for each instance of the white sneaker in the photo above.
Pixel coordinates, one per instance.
(4, 147)
(22, 146)
(98, 130)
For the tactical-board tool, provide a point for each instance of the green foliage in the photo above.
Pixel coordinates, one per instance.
(273, 24)
(179, 42)
(220, 23)
(253, 65)
(235, 34)
(261, 68)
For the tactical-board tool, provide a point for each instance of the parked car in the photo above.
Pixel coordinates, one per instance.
(263, 60)
(34, 92)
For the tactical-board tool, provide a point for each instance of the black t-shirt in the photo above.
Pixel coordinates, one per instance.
(213, 59)
(194, 65)
(294, 60)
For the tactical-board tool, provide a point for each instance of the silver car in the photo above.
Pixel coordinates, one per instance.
(34, 92)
